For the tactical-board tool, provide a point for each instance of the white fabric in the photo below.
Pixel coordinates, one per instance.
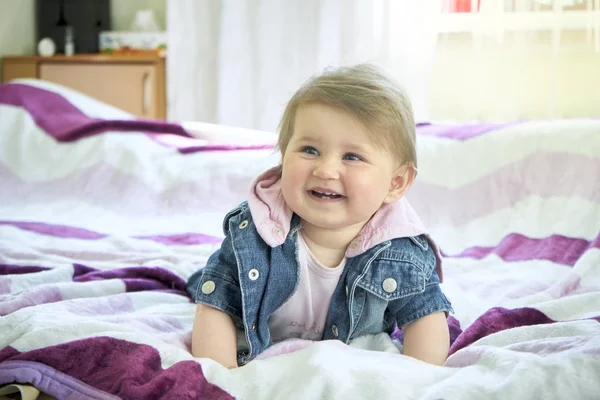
(237, 62)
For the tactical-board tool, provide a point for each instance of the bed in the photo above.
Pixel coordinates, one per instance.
(103, 217)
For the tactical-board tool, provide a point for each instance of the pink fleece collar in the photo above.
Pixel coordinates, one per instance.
(270, 212)
(272, 218)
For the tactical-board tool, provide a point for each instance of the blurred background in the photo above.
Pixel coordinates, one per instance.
(236, 62)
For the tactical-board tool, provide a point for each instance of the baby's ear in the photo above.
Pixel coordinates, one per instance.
(404, 177)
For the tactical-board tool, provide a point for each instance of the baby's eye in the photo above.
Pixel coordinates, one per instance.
(352, 157)
(310, 150)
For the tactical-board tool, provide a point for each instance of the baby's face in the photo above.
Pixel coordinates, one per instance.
(333, 175)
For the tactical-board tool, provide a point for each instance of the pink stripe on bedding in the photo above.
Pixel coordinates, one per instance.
(60, 386)
(135, 279)
(62, 231)
(29, 298)
(182, 239)
(107, 187)
(71, 232)
(187, 145)
(516, 247)
(458, 132)
(106, 368)
(63, 121)
(498, 319)
(518, 181)
(10, 269)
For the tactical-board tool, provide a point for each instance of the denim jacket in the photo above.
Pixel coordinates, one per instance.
(386, 282)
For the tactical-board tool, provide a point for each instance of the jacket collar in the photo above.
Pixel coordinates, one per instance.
(274, 220)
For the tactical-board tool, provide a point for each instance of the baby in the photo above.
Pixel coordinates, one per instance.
(327, 247)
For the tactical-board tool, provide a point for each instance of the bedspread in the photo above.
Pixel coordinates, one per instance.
(103, 218)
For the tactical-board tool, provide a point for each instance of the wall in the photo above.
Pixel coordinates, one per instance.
(17, 19)
(17, 34)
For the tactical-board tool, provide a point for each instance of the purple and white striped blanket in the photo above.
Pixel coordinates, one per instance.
(103, 217)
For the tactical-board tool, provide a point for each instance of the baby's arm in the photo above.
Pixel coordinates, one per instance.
(214, 336)
(422, 318)
(216, 291)
(428, 339)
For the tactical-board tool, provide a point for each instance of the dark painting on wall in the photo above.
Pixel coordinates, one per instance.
(86, 19)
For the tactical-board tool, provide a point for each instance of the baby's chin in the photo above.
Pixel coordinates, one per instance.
(332, 225)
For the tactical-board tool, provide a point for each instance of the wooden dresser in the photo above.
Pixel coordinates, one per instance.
(134, 83)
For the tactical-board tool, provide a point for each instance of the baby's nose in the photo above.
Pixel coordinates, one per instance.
(327, 168)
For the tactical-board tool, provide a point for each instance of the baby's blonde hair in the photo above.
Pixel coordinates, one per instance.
(371, 96)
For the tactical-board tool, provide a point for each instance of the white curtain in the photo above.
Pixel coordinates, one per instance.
(237, 62)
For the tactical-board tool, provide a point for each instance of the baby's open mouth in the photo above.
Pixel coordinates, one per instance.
(326, 195)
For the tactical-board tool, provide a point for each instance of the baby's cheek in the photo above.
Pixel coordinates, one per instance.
(371, 191)
(370, 182)
(289, 176)
(287, 188)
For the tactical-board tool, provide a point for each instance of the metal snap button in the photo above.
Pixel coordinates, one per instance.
(244, 224)
(253, 327)
(334, 330)
(389, 285)
(208, 287)
(346, 290)
(253, 274)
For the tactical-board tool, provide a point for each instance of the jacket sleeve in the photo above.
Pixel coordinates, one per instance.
(431, 300)
(217, 284)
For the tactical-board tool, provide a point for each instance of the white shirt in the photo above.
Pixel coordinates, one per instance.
(305, 313)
